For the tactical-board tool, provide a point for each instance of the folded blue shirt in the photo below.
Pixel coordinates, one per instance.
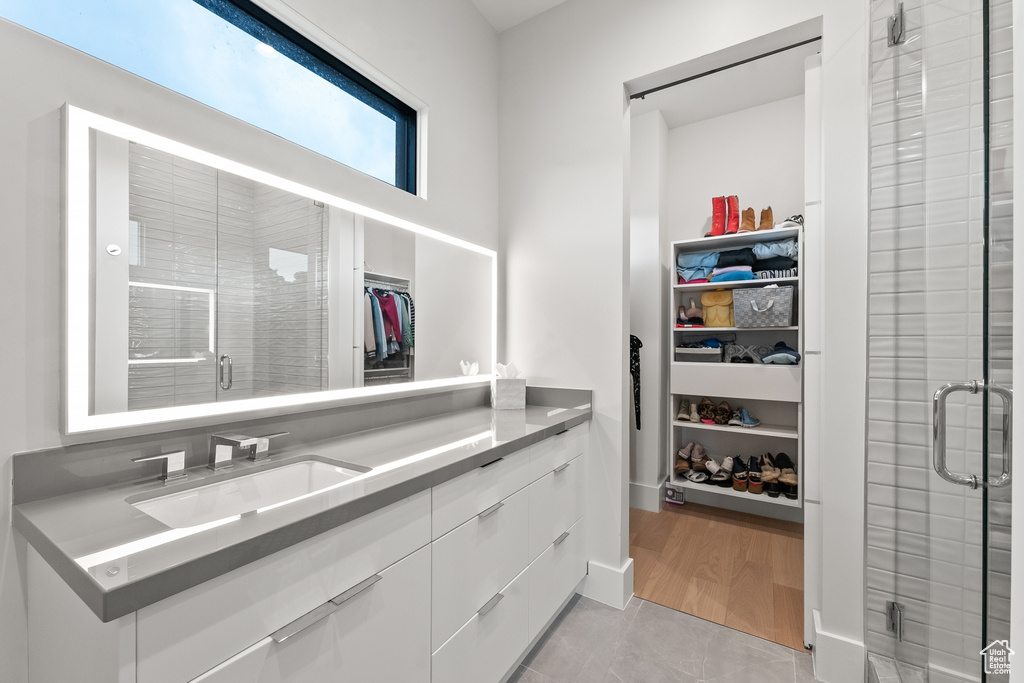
(696, 266)
(734, 276)
(787, 248)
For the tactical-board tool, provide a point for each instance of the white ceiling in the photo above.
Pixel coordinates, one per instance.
(504, 14)
(752, 84)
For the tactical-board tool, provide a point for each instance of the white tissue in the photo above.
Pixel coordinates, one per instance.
(508, 371)
(469, 369)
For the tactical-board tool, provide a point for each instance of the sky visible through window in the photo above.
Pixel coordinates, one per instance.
(185, 47)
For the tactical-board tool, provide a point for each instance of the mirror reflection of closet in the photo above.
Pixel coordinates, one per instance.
(387, 327)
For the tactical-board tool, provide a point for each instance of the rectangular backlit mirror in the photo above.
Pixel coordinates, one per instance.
(198, 287)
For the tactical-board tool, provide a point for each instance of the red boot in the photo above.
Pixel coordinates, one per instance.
(733, 223)
(717, 217)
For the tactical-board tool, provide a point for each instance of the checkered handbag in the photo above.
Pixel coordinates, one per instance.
(763, 307)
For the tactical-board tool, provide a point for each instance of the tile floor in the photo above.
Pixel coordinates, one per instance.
(647, 643)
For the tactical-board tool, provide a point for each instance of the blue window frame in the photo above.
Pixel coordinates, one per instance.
(236, 57)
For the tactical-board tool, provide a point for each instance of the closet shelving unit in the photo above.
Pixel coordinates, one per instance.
(773, 393)
(395, 374)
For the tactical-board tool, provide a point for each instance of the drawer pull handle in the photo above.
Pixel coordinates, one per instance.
(561, 468)
(490, 604)
(492, 462)
(561, 432)
(302, 623)
(355, 590)
(491, 510)
(565, 535)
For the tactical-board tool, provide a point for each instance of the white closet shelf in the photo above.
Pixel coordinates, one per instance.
(735, 284)
(780, 431)
(682, 483)
(735, 241)
(705, 330)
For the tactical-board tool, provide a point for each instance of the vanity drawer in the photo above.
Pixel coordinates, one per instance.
(558, 450)
(473, 562)
(487, 646)
(556, 503)
(193, 631)
(554, 576)
(469, 494)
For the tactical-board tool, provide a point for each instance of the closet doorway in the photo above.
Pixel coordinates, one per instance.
(721, 459)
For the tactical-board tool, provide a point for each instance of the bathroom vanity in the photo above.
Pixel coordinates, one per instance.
(442, 554)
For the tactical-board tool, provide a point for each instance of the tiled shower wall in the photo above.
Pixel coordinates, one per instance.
(925, 328)
(178, 208)
(206, 229)
(291, 308)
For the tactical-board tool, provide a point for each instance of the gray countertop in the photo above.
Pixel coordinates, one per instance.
(119, 559)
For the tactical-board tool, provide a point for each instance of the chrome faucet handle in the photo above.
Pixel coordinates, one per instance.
(262, 449)
(223, 448)
(173, 465)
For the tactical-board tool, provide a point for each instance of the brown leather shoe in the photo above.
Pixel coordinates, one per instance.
(766, 219)
(747, 224)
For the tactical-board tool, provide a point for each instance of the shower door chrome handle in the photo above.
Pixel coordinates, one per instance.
(226, 380)
(939, 434)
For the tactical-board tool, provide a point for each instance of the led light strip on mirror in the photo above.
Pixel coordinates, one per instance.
(79, 333)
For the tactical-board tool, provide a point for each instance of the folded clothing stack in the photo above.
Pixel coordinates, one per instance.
(732, 274)
(694, 268)
(776, 259)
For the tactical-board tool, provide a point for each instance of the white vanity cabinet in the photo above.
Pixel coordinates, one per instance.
(379, 633)
(453, 583)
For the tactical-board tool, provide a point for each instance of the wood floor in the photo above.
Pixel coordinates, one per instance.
(739, 570)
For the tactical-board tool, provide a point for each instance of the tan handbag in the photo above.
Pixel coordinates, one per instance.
(717, 308)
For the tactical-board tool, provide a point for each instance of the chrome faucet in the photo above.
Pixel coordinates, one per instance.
(224, 447)
(174, 465)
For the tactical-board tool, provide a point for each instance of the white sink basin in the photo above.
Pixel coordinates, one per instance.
(246, 493)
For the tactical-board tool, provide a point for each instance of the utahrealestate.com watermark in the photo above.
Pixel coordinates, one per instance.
(997, 657)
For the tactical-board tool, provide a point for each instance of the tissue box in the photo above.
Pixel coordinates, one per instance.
(508, 394)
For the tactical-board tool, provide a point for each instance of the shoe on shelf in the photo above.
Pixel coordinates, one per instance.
(693, 311)
(794, 221)
(717, 217)
(781, 355)
(770, 475)
(684, 410)
(788, 482)
(737, 418)
(755, 484)
(706, 411)
(739, 474)
(746, 419)
(722, 413)
(696, 476)
(694, 417)
(747, 224)
(723, 475)
(733, 222)
(683, 458)
(766, 219)
(699, 459)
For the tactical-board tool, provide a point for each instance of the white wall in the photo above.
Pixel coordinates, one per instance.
(564, 217)
(756, 154)
(442, 51)
(648, 211)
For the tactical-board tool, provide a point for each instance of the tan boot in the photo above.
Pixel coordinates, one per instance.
(747, 224)
(766, 219)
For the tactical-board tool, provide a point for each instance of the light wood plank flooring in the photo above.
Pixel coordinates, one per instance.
(735, 569)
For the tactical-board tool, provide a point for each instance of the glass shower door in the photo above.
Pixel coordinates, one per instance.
(940, 317)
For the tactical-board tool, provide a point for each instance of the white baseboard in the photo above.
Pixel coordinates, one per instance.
(837, 659)
(646, 497)
(609, 585)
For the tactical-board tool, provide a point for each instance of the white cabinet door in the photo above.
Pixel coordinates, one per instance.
(474, 561)
(305, 658)
(487, 646)
(380, 633)
(467, 495)
(556, 502)
(555, 574)
(383, 633)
